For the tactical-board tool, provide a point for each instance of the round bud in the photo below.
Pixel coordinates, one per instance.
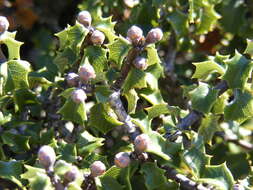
(140, 63)
(97, 168)
(154, 35)
(97, 37)
(141, 142)
(72, 79)
(78, 96)
(122, 159)
(131, 3)
(46, 156)
(134, 34)
(86, 72)
(4, 24)
(71, 175)
(84, 18)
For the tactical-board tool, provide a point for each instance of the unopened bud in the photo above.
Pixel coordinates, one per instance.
(97, 37)
(97, 168)
(46, 156)
(84, 18)
(72, 79)
(140, 63)
(71, 175)
(78, 96)
(154, 36)
(141, 142)
(134, 34)
(131, 3)
(4, 24)
(122, 159)
(87, 72)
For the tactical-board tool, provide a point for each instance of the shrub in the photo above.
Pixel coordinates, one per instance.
(140, 94)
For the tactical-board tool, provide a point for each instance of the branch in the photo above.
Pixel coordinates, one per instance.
(184, 182)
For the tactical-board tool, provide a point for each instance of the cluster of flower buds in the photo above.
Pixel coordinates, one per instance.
(97, 168)
(135, 35)
(141, 143)
(122, 159)
(47, 157)
(140, 63)
(97, 37)
(4, 24)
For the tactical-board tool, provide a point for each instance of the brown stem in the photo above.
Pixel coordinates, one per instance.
(55, 180)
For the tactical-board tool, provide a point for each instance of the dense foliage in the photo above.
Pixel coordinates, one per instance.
(133, 94)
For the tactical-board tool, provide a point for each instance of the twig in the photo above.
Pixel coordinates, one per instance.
(242, 143)
(185, 183)
(55, 180)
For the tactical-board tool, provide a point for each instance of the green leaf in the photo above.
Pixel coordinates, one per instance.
(74, 112)
(220, 104)
(249, 48)
(203, 14)
(238, 71)
(203, 98)
(152, 55)
(152, 96)
(38, 179)
(196, 158)
(154, 177)
(157, 110)
(152, 74)
(17, 76)
(118, 50)
(218, 176)
(97, 57)
(8, 38)
(11, 170)
(135, 79)
(205, 68)
(107, 119)
(209, 125)
(23, 97)
(179, 22)
(87, 143)
(109, 183)
(18, 143)
(5, 117)
(68, 152)
(132, 98)
(106, 26)
(241, 108)
(102, 93)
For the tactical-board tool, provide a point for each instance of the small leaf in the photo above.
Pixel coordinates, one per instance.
(238, 71)
(97, 57)
(152, 55)
(203, 98)
(241, 108)
(154, 177)
(106, 26)
(196, 159)
(249, 48)
(118, 50)
(132, 98)
(67, 152)
(38, 179)
(11, 170)
(17, 75)
(107, 119)
(219, 176)
(135, 79)
(157, 110)
(109, 183)
(74, 112)
(153, 97)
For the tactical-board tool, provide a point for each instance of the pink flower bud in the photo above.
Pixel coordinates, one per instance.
(84, 18)
(154, 35)
(141, 142)
(140, 63)
(122, 159)
(86, 72)
(78, 96)
(97, 168)
(4, 24)
(46, 156)
(71, 175)
(72, 79)
(134, 34)
(97, 37)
